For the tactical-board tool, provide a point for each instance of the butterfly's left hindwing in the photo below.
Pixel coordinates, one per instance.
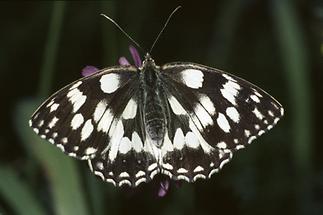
(213, 114)
(129, 159)
(78, 118)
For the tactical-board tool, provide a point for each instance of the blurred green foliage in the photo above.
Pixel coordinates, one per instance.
(276, 44)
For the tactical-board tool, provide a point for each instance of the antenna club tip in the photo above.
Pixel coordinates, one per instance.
(166, 23)
(102, 14)
(178, 7)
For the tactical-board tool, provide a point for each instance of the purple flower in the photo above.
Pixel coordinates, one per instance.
(123, 61)
(89, 70)
(164, 184)
(163, 188)
(135, 56)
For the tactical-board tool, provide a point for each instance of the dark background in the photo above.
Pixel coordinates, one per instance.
(275, 44)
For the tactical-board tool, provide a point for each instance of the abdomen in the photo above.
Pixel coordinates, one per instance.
(154, 108)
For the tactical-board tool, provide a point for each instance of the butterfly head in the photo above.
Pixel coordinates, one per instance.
(148, 61)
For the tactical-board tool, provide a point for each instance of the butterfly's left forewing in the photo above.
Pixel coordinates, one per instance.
(213, 114)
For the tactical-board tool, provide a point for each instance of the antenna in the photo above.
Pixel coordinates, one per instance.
(166, 23)
(123, 31)
(130, 38)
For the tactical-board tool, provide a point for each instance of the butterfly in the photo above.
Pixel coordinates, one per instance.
(181, 119)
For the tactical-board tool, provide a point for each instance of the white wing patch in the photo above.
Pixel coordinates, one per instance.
(179, 140)
(258, 114)
(255, 98)
(233, 114)
(222, 145)
(177, 108)
(193, 78)
(109, 83)
(130, 110)
(53, 122)
(223, 123)
(203, 115)
(115, 138)
(136, 142)
(191, 140)
(230, 91)
(207, 103)
(105, 121)
(77, 84)
(99, 110)
(77, 99)
(53, 107)
(205, 146)
(125, 145)
(86, 130)
(90, 151)
(77, 121)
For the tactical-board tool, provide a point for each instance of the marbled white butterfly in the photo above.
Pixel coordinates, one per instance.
(183, 120)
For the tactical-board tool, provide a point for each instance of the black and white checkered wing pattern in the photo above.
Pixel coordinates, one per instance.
(204, 115)
(79, 118)
(213, 114)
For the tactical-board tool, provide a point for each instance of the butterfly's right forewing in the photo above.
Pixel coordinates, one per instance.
(78, 119)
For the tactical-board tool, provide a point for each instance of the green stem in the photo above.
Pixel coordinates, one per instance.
(295, 58)
(49, 58)
(18, 194)
(110, 44)
(68, 195)
(224, 28)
